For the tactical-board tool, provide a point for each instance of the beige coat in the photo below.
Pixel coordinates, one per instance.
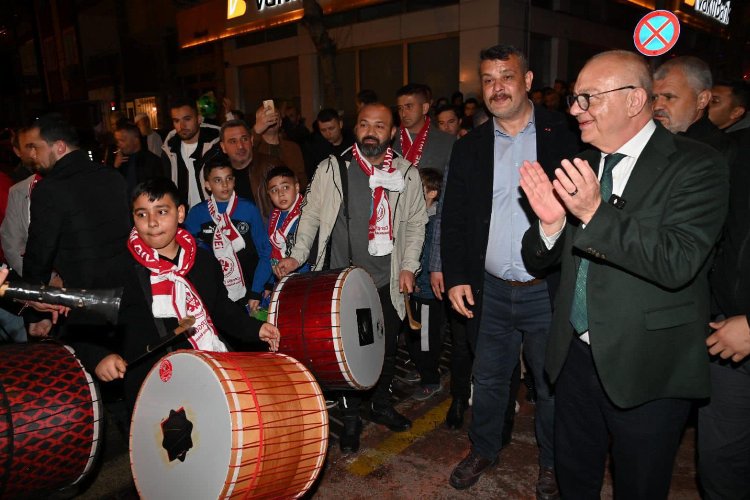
(322, 204)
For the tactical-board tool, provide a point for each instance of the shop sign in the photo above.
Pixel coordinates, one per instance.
(238, 8)
(715, 9)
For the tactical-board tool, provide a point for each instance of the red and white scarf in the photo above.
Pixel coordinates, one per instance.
(278, 236)
(382, 178)
(413, 150)
(226, 243)
(173, 295)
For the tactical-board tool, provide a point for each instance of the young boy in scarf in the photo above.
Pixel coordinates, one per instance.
(167, 279)
(231, 227)
(283, 189)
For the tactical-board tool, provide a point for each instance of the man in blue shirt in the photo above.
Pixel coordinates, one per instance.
(484, 218)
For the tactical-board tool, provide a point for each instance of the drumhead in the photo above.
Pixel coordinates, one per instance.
(181, 382)
(357, 313)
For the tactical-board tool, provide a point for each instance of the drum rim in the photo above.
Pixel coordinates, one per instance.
(214, 363)
(97, 412)
(349, 381)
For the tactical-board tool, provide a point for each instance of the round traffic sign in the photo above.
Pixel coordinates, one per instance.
(656, 33)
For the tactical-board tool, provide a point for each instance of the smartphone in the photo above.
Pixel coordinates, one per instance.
(268, 106)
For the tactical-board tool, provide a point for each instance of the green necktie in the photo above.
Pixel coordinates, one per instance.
(579, 314)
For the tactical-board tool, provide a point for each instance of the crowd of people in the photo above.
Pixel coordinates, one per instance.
(595, 234)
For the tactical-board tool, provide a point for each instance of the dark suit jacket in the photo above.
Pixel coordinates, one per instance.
(648, 297)
(467, 205)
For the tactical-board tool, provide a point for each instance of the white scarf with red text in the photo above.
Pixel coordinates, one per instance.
(278, 236)
(382, 178)
(413, 150)
(173, 295)
(227, 242)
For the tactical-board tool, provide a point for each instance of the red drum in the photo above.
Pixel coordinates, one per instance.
(332, 322)
(228, 425)
(49, 419)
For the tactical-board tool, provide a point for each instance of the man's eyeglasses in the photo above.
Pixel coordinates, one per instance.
(584, 100)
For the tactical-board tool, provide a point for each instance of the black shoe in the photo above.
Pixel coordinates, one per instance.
(507, 431)
(349, 439)
(546, 485)
(389, 417)
(469, 470)
(528, 381)
(455, 417)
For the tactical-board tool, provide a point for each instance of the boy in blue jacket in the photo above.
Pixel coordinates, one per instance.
(233, 229)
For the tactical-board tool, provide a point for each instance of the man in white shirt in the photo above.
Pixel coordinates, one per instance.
(184, 148)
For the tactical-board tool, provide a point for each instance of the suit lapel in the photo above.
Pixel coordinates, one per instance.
(486, 161)
(652, 161)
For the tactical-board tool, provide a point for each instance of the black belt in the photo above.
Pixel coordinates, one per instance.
(533, 282)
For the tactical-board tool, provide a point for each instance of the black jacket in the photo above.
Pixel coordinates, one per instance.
(467, 206)
(80, 220)
(137, 327)
(147, 166)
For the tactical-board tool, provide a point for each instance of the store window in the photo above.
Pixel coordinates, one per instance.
(277, 80)
(382, 70)
(435, 63)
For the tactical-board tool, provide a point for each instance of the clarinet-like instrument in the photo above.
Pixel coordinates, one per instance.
(104, 302)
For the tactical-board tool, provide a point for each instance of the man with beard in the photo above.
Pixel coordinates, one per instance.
(79, 214)
(14, 230)
(376, 179)
(483, 221)
(419, 142)
(184, 148)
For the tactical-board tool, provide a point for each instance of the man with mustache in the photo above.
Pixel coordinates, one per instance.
(483, 220)
(341, 205)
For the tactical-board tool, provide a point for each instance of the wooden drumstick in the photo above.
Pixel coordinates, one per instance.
(413, 324)
(184, 325)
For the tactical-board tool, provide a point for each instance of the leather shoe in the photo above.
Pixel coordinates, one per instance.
(546, 485)
(389, 417)
(469, 470)
(349, 440)
(454, 419)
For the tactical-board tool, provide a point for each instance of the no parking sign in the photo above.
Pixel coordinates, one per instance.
(656, 33)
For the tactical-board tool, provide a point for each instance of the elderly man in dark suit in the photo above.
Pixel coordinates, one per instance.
(633, 223)
(483, 220)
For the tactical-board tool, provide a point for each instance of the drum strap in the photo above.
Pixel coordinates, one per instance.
(344, 174)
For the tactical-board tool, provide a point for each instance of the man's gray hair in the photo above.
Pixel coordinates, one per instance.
(696, 71)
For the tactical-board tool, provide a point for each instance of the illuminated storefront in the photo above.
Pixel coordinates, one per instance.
(382, 44)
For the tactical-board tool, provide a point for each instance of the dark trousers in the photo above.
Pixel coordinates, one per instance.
(460, 355)
(510, 315)
(350, 401)
(644, 439)
(724, 433)
(425, 345)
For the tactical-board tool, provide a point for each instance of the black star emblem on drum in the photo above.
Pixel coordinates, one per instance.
(177, 431)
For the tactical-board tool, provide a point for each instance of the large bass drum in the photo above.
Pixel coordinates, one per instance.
(50, 419)
(227, 425)
(332, 322)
